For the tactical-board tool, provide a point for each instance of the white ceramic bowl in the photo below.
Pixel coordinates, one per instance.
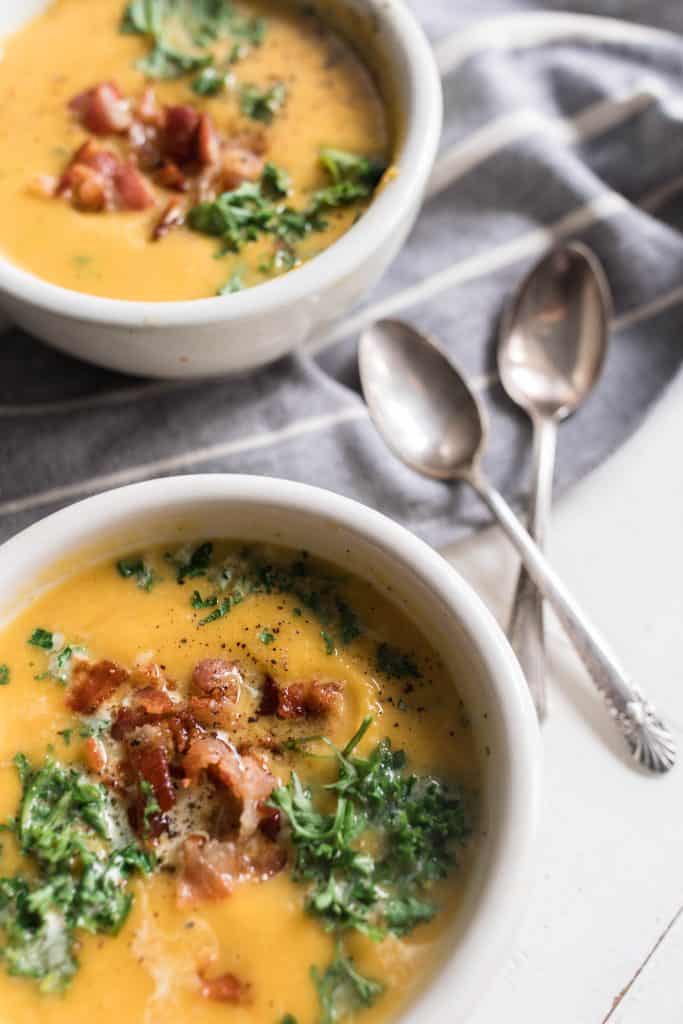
(238, 332)
(413, 577)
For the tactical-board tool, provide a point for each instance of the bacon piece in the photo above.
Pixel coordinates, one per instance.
(212, 712)
(173, 217)
(149, 761)
(237, 166)
(133, 190)
(102, 110)
(87, 179)
(211, 870)
(208, 142)
(145, 143)
(148, 674)
(148, 110)
(300, 700)
(180, 133)
(224, 989)
(170, 176)
(93, 684)
(95, 756)
(247, 782)
(217, 677)
(154, 702)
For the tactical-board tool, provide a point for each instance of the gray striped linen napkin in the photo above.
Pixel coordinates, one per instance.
(558, 125)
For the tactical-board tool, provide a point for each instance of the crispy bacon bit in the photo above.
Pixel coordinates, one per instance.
(237, 166)
(93, 684)
(152, 701)
(102, 110)
(216, 676)
(300, 700)
(147, 674)
(208, 142)
(248, 783)
(150, 762)
(133, 190)
(148, 110)
(224, 989)
(180, 133)
(95, 756)
(170, 176)
(212, 869)
(172, 217)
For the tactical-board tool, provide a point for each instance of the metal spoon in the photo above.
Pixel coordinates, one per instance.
(430, 419)
(552, 346)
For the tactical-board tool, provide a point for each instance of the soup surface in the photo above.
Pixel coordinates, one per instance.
(240, 786)
(176, 149)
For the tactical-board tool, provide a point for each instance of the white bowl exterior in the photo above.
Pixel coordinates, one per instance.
(209, 337)
(413, 577)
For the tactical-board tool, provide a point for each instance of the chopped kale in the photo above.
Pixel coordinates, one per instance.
(42, 638)
(78, 878)
(181, 33)
(395, 664)
(219, 612)
(350, 167)
(262, 104)
(328, 641)
(139, 570)
(266, 637)
(232, 285)
(275, 181)
(151, 804)
(210, 81)
(190, 563)
(342, 989)
(197, 601)
(4, 675)
(235, 217)
(416, 823)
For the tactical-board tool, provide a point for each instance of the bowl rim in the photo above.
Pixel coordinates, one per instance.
(509, 867)
(414, 59)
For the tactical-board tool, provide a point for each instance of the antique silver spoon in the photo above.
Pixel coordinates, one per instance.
(552, 346)
(429, 418)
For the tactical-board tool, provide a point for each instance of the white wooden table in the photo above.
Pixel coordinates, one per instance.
(603, 935)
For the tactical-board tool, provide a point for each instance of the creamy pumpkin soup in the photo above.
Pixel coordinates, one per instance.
(178, 149)
(237, 785)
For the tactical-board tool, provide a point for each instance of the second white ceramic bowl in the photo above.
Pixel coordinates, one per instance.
(413, 577)
(208, 337)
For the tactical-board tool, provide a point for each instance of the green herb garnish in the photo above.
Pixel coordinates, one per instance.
(275, 181)
(266, 637)
(190, 563)
(395, 664)
(4, 675)
(210, 82)
(232, 285)
(138, 569)
(328, 641)
(42, 638)
(182, 33)
(342, 989)
(415, 821)
(262, 104)
(197, 601)
(79, 878)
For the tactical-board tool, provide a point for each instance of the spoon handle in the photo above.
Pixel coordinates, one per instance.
(526, 630)
(648, 738)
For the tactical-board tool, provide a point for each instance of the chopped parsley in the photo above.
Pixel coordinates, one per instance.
(190, 563)
(182, 34)
(4, 675)
(258, 208)
(262, 104)
(232, 285)
(266, 637)
(328, 641)
(221, 610)
(151, 805)
(415, 823)
(197, 601)
(210, 81)
(78, 878)
(395, 664)
(42, 638)
(342, 989)
(138, 569)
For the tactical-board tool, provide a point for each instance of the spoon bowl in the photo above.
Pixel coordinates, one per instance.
(428, 415)
(553, 338)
